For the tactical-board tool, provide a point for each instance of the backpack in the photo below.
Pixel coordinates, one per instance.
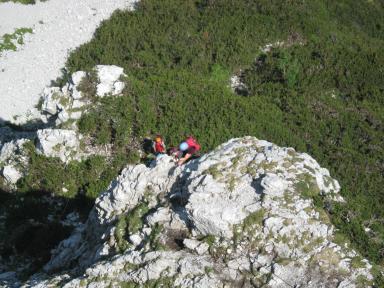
(193, 143)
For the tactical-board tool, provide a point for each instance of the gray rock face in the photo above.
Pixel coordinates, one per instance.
(69, 102)
(60, 143)
(11, 174)
(109, 77)
(13, 160)
(240, 215)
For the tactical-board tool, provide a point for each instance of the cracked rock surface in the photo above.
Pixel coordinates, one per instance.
(241, 215)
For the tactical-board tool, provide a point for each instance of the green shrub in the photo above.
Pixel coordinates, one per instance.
(130, 223)
(320, 92)
(121, 234)
(88, 85)
(307, 186)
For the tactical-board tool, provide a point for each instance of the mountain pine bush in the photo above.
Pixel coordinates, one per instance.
(320, 90)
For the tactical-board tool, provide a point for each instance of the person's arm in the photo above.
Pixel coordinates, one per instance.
(184, 159)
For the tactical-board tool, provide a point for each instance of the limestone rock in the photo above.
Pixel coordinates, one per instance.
(64, 144)
(51, 99)
(109, 77)
(135, 239)
(238, 86)
(68, 102)
(10, 150)
(11, 174)
(13, 160)
(77, 77)
(191, 243)
(241, 214)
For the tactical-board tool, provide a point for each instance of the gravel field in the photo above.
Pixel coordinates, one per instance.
(58, 27)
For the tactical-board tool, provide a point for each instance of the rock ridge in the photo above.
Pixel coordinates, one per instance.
(242, 214)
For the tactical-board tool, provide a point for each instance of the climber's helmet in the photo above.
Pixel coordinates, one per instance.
(183, 146)
(158, 139)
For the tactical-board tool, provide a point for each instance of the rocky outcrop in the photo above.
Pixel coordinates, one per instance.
(69, 102)
(13, 160)
(241, 215)
(64, 144)
(238, 86)
(60, 109)
(109, 80)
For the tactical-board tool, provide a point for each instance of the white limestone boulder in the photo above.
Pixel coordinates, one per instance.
(10, 151)
(14, 161)
(69, 103)
(109, 80)
(52, 99)
(77, 77)
(61, 143)
(11, 174)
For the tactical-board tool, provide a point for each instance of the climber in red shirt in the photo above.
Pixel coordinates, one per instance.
(188, 148)
(158, 145)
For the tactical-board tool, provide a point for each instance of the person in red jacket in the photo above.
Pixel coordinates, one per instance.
(158, 145)
(189, 148)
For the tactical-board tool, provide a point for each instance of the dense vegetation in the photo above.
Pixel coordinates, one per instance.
(320, 91)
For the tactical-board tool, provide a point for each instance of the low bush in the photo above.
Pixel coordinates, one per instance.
(320, 90)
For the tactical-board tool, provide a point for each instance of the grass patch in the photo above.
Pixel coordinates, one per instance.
(166, 282)
(357, 262)
(209, 239)
(88, 85)
(121, 234)
(131, 223)
(307, 186)
(135, 218)
(20, 1)
(214, 171)
(9, 41)
(255, 218)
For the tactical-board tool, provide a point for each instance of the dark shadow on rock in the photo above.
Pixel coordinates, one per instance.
(10, 131)
(30, 126)
(241, 91)
(256, 184)
(178, 195)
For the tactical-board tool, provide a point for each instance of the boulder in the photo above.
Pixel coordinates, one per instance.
(14, 160)
(11, 174)
(10, 151)
(61, 143)
(77, 77)
(51, 97)
(68, 103)
(109, 76)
